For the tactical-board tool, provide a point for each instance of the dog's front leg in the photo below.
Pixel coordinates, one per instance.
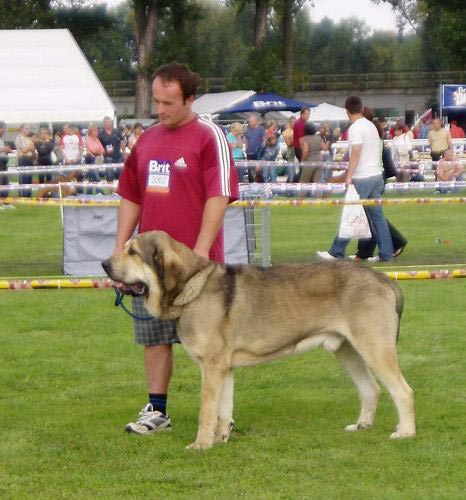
(213, 379)
(225, 410)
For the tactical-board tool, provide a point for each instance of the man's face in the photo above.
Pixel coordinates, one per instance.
(108, 125)
(436, 124)
(170, 106)
(306, 114)
(252, 122)
(448, 155)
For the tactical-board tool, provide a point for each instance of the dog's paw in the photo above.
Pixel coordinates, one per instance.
(402, 434)
(222, 433)
(199, 445)
(361, 426)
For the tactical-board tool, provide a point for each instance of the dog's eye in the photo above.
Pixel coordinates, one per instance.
(131, 251)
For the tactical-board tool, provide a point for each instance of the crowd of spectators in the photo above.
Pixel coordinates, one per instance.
(303, 141)
(292, 144)
(298, 141)
(68, 145)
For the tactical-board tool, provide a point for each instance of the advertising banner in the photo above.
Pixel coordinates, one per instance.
(453, 96)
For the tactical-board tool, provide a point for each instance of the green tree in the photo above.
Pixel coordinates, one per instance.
(441, 25)
(287, 11)
(104, 37)
(25, 14)
(147, 15)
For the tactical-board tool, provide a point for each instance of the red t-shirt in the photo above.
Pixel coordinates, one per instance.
(298, 132)
(171, 173)
(456, 132)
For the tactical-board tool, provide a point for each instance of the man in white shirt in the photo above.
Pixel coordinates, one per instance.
(365, 172)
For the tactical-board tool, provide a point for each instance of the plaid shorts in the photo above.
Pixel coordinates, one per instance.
(154, 331)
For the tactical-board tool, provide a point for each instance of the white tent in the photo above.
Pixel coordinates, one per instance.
(328, 113)
(46, 78)
(212, 103)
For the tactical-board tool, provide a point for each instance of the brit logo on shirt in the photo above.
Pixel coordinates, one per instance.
(158, 176)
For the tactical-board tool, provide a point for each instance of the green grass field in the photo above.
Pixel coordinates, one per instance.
(71, 377)
(31, 237)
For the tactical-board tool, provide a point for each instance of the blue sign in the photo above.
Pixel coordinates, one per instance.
(453, 96)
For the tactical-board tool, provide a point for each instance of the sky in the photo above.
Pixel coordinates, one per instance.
(377, 17)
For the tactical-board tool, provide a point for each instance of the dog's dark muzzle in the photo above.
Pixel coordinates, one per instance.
(106, 265)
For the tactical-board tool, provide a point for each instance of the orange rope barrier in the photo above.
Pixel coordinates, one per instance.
(105, 283)
(72, 202)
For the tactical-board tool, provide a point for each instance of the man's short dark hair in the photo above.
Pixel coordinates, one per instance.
(353, 105)
(177, 72)
(368, 113)
(303, 110)
(310, 129)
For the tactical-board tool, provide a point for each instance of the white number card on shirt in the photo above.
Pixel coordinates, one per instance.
(158, 178)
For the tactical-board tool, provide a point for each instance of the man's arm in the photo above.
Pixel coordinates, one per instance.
(128, 217)
(212, 219)
(288, 138)
(304, 149)
(353, 163)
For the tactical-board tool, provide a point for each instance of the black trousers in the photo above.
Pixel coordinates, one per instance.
(366, 247)
(3, 178)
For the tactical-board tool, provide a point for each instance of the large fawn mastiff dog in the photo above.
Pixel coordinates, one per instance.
(230, 316)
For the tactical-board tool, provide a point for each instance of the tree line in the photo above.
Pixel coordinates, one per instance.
(258, 44)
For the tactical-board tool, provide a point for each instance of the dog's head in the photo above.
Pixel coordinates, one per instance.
(166, 272)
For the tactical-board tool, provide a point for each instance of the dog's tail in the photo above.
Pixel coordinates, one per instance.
(399, 304)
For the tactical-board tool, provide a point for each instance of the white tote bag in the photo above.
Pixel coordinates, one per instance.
(354, 223)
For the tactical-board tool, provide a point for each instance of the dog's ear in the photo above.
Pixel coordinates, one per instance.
(147, 248)
(172, 269)
(193, 287)
(156, 253)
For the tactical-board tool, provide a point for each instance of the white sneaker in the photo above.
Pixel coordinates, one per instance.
(325, 256)
(353, 257)
(150, 421)
(376, 258)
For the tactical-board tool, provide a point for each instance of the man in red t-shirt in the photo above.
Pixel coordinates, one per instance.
(178, 178)
(456, 132)
(298, 131)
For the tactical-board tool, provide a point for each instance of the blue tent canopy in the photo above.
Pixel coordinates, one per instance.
(263, 103)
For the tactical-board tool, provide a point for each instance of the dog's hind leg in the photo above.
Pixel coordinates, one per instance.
(382, 360)
(225, 411)
(368, 389)
(213, 380)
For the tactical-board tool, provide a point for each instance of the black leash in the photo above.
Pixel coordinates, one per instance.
(119, 302)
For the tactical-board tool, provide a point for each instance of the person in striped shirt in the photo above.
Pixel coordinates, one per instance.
(178, 178)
